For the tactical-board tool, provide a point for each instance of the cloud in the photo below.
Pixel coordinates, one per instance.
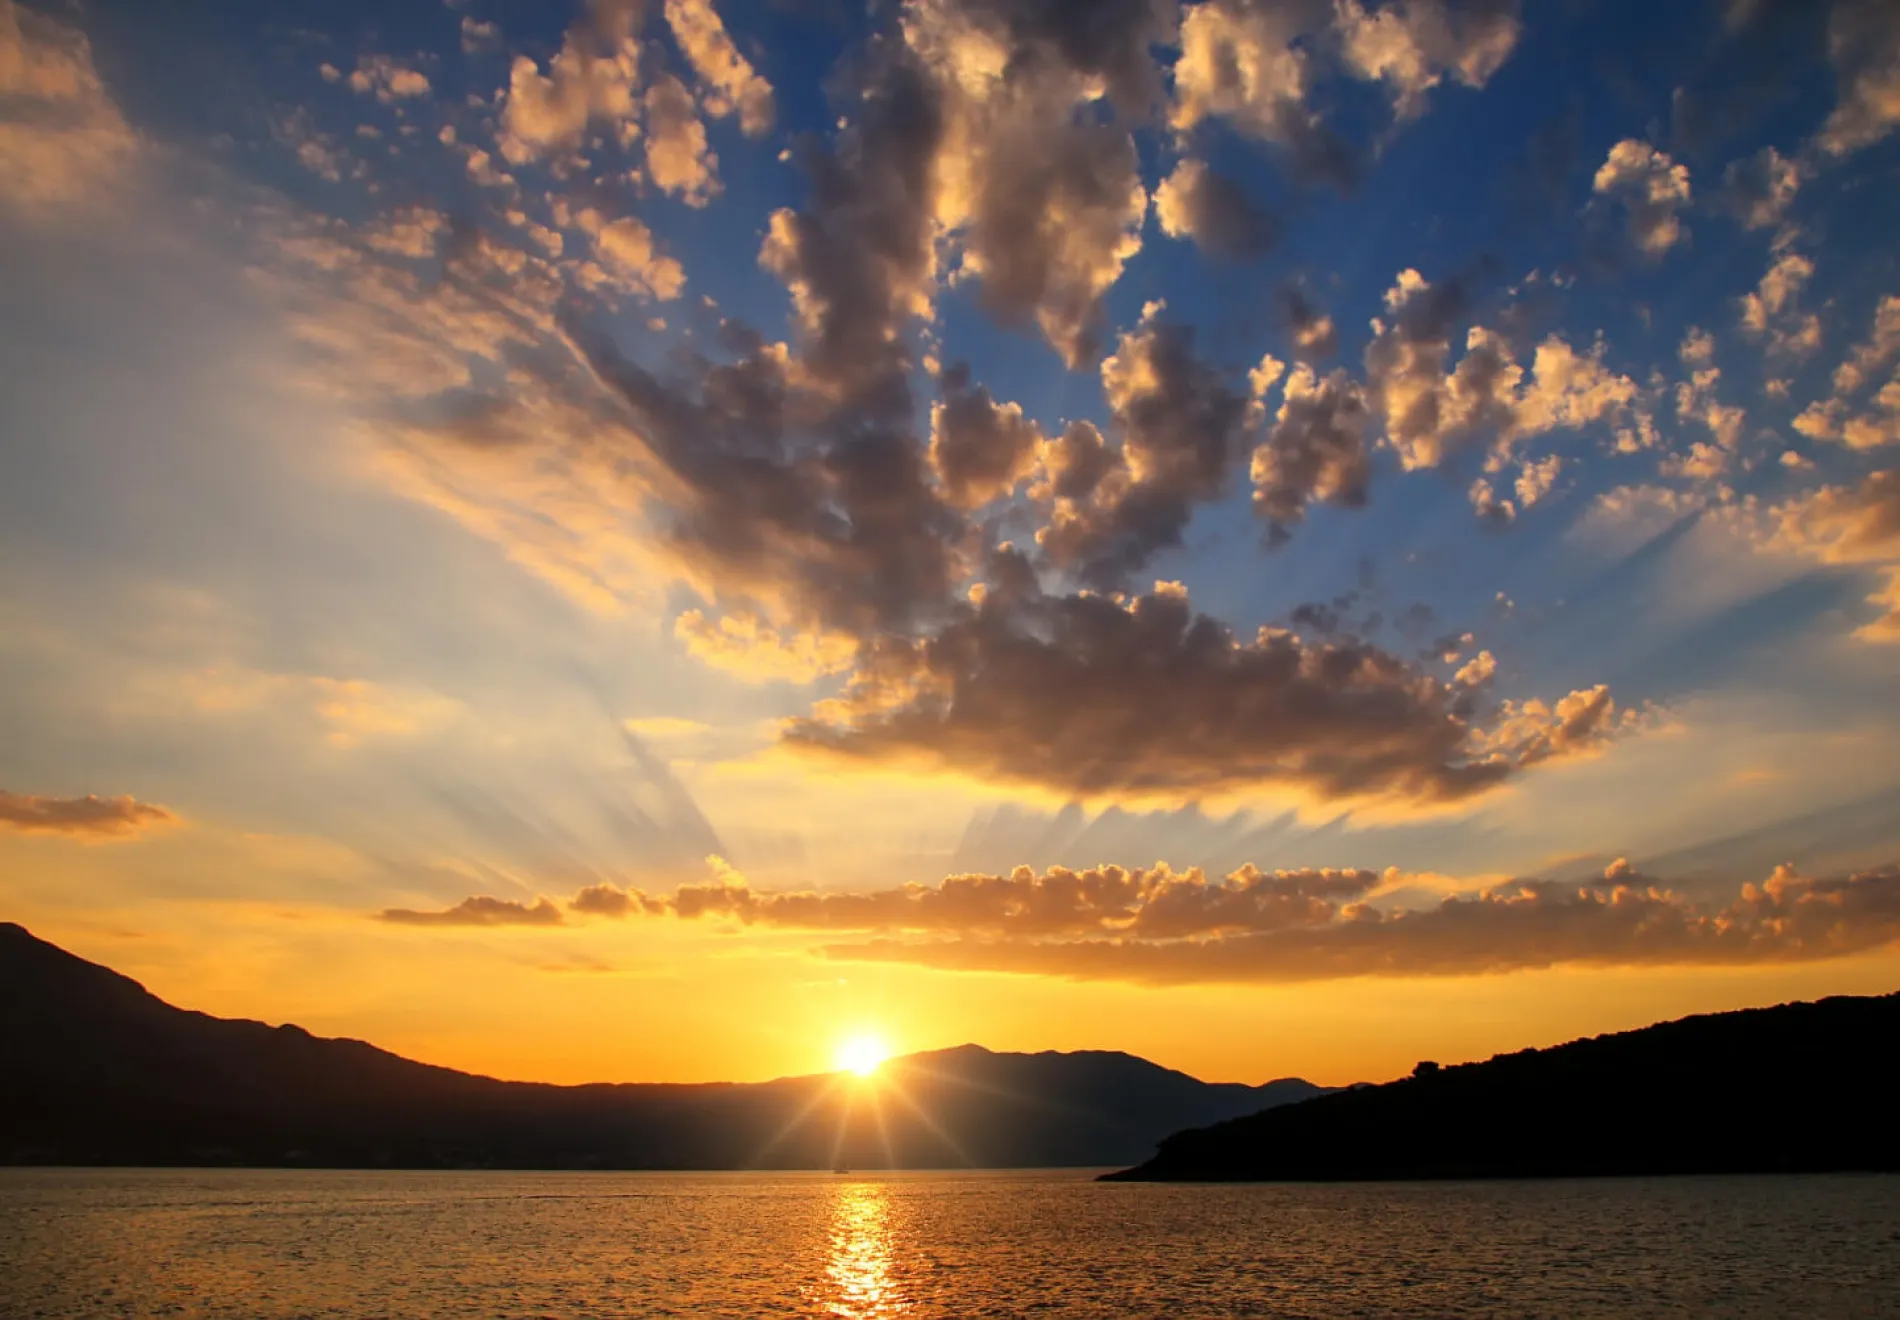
(1181, 428)
(1159, 925)
(1780, 286)
(632, 263)
(1411, 46)
(747, 647)
(1857, 526)
(88, 817)
(1155, 903)
(1527, 925)
(1837, 417)
(1089, 696)
(1761, 188)
(1653, 189)
(591, 80)
(1312, 331)
(479, 911)
(1195, 202)
(479, 36)
(1040, 190)
(62, 137)
(1430, 413)
(388, 79)
(1249, 63)
(979, 449)
(1315, 450)
(732, 83)
(1863, 40)
(678, 160)
(1871, 355)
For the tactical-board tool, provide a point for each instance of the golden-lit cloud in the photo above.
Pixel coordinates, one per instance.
(1787, 918)
(732, 83)
(86, 818)
(1198, 203)
(746, 647)
(1863, 39)
(1159, 925)
(479, 911)
(591, 81)
(679, 161)
(1181, 425)
(1654, 190)
(1092, 697)
(62, 138)
(1412, 46)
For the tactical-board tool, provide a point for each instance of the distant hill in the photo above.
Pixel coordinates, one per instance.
(1798, 1088)
(95, 1070)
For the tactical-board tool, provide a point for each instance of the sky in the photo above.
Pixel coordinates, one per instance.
(642, 541)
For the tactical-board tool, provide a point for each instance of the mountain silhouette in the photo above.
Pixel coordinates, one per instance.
(1804, 1087)
(99, 1071)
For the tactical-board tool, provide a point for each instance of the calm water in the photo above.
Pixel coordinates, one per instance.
(269, 1244)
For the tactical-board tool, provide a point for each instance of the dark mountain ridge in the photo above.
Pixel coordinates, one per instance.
(1803, 1087)
(96, 1070)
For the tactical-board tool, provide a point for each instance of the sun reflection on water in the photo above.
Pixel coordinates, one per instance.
(861, 1266)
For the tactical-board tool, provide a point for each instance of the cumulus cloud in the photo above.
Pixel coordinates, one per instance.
(1154, 903)
(479, 911)
(1653, 189)
(1430, 412)
(1045, 201)
(1775, 297)
(732, 84)
(590, 81)
(88, 817)
(1761, 188)
(1311, 330)
(1157, 924)
(62, 137)
(1786, 918)
(629, 259)
(678, 160)
(860, 258)
(387, 79)
(1872, 354)
(1090, 696)
(1315, 449)
(1413, 45)
(979, 449)
(1195, 202)
(1249, 64)
(1863, 40)
(1875, 422)
(1181, 426)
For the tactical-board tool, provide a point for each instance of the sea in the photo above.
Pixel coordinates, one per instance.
(271, 1243)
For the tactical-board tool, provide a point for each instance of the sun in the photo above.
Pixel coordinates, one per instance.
(861, 1055)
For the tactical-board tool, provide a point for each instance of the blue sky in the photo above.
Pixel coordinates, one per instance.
(499, 452)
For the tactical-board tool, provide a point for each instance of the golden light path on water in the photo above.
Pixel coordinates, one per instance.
(861, 1265)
